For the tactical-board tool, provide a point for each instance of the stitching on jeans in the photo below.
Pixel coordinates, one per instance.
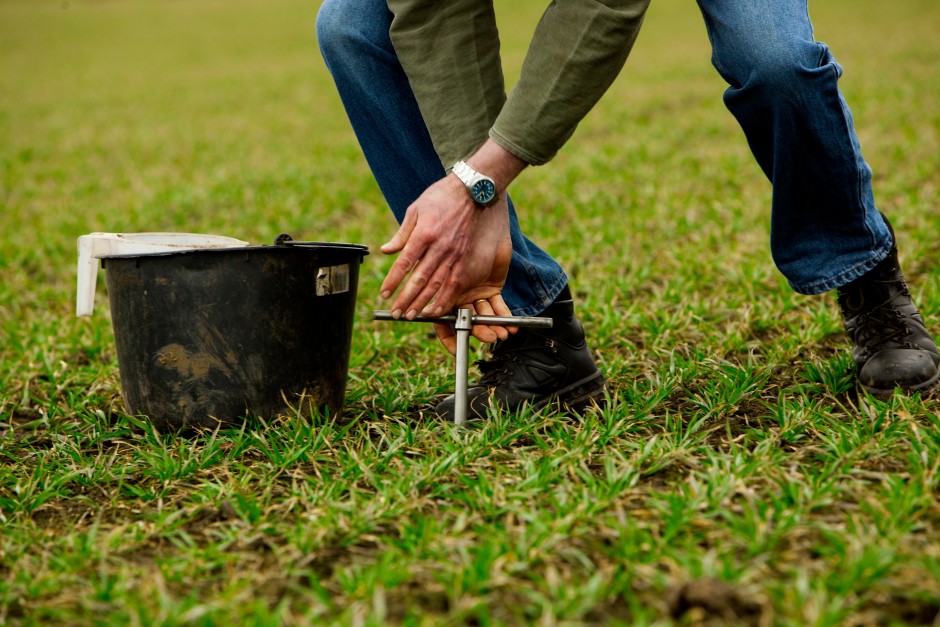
(842, 279)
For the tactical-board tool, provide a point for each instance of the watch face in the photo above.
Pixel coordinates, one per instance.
(483, 191)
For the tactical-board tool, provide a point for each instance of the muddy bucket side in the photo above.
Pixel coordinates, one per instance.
(207, 336)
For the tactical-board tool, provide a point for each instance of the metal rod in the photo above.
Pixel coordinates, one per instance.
(461, 401)
(499, 321)
(463, 322)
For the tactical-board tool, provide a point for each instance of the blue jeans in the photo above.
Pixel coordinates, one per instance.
(825, 229)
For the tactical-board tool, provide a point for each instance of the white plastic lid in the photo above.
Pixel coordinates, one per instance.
(96, 245)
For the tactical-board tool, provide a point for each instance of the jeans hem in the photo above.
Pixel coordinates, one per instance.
(551, 293)
(827, 285)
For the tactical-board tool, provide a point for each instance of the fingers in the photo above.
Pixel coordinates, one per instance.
(487, 333)
(447, 336)
(401, 236)
(404, 264)
(500, 308)
(432, 295)
(423, 271)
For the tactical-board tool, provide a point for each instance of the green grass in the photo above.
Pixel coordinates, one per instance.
(736, 476)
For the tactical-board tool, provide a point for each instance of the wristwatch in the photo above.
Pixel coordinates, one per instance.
(481, 187)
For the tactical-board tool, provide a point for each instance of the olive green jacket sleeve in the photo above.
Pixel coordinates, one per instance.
(449, 50)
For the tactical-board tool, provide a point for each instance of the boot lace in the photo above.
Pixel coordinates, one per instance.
(883, 327)
(498, 369)
(505, 359)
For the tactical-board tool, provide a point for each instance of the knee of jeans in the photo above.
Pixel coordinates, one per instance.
(790, 70)
(339, 29)
(783, 66)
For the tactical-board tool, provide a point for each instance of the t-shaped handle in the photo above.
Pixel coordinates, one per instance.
(463, 322)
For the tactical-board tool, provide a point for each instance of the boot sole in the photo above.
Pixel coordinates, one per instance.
(885, 394)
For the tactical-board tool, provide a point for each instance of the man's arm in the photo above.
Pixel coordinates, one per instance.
(449, 50)
(450, 252)
(450, 53)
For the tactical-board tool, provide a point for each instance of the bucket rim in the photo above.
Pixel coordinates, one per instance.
(359, 249)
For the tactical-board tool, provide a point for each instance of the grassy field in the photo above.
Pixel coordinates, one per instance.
(735, 478)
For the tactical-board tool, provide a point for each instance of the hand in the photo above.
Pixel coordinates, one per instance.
(451, 253)
(494, 306)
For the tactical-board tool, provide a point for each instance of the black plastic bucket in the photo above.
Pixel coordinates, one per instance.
(209, 336)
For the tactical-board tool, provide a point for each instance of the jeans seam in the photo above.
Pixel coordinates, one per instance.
(710, 31)
(859, 178)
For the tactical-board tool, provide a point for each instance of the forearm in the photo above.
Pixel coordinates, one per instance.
(498, 163)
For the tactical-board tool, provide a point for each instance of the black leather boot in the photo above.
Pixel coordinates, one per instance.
(892, 346)
(537, 367)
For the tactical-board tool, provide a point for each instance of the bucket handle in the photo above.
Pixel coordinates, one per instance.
(285, 239)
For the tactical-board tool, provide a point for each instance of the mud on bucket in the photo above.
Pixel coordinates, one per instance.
(209, 335)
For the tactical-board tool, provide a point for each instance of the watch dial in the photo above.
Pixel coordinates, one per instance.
(483, 191)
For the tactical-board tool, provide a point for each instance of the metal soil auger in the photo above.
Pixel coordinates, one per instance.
(463, 322)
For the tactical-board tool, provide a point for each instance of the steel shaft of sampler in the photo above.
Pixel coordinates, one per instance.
(463, 322)
(463, 326)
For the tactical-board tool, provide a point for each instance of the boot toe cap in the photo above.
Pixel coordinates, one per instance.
(908, 369)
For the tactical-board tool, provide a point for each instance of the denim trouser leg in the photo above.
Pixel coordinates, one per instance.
(353, 37)
(825, 229)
